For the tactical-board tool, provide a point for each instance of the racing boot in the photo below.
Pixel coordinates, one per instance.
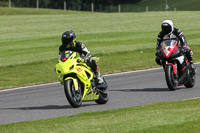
(189, 55)
(194, 70)
(99, 77)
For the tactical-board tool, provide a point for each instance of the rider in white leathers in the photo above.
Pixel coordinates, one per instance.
(169, 32)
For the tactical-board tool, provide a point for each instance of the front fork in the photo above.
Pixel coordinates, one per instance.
(174, 66)
(75, 82)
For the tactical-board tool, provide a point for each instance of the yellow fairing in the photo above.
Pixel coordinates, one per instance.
(88, 94)
(74, 81)
(70, 66)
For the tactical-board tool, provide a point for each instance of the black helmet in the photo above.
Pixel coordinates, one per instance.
(68, 37)
(167, 27)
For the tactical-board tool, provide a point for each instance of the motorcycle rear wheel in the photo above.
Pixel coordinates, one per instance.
(103, 95)
(74, 97)
(191, 81)
(170, 79)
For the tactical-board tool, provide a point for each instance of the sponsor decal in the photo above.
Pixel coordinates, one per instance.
(79, 69)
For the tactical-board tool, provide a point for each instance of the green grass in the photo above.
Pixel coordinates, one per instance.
(158, 5)
(180, 5)
(29, 50)
(29, 43)
(171, 117)
(33, 11)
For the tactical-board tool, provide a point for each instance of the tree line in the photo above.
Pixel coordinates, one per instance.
(83, 5)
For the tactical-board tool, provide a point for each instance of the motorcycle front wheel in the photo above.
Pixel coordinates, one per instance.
(170, 78)
(74, 97)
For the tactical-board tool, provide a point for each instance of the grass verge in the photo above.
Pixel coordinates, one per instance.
(176, 117)
(126, 41)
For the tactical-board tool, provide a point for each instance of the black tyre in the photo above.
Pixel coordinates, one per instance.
(103, 95)
(191, 81)
(170, 78)
(74, 97)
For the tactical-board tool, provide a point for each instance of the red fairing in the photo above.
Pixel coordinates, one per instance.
(186, 61)
(185, 67)
(172, 50)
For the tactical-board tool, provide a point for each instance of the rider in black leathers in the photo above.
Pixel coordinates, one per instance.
(69, 43)
(169, 32)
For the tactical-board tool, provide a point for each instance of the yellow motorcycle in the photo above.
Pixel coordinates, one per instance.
(80, 83)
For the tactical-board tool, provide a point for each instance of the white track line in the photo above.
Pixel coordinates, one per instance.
(131, 72)
(18, 88)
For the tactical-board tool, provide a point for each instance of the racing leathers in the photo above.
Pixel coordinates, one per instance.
(179, 36)
(83, 51)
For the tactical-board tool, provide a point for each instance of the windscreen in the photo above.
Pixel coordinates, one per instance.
(168, 43)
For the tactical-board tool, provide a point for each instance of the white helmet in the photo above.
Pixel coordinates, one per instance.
(167, 26)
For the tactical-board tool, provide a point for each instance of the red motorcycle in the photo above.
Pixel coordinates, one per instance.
(175, 64)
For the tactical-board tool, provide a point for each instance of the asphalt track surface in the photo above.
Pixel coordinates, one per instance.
(126, 90)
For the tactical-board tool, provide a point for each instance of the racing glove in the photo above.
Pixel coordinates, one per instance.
(183, 49)
(87, 57)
